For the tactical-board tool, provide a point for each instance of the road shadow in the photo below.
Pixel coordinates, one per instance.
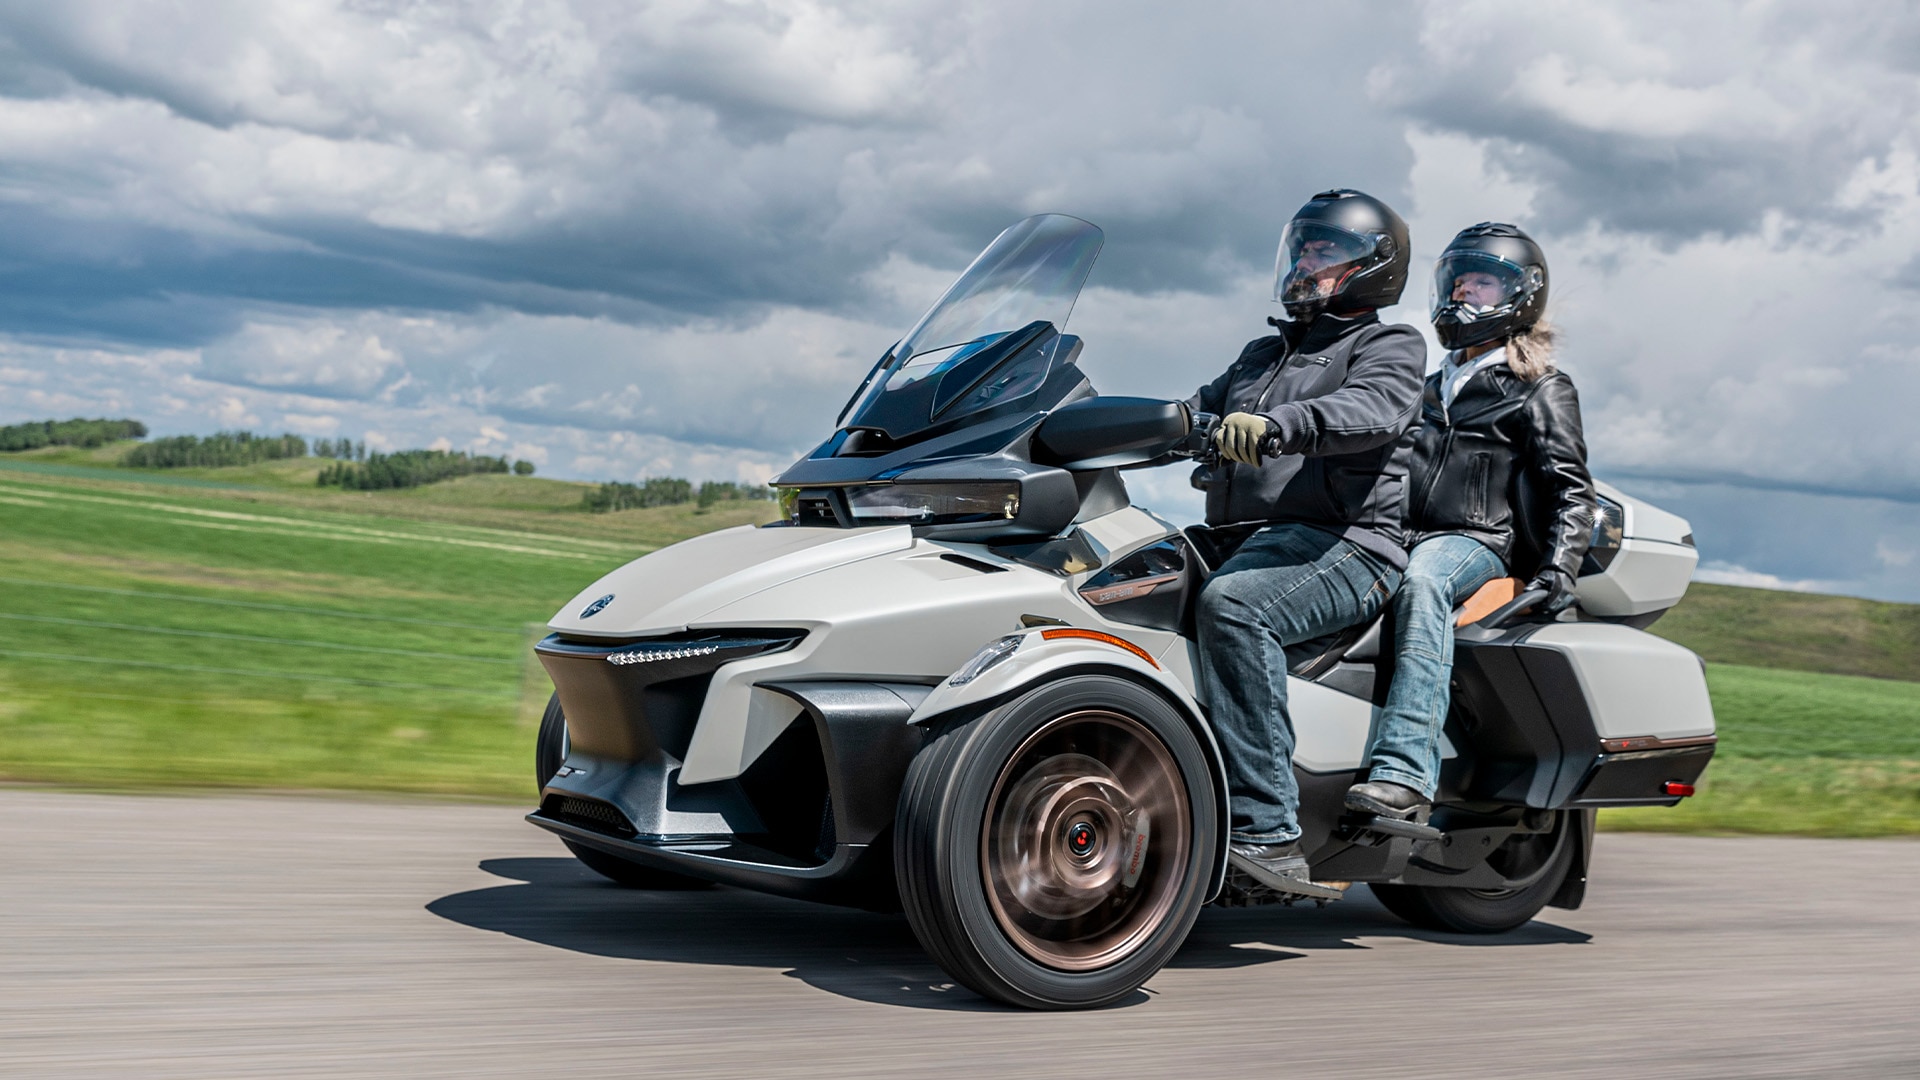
(863, 955)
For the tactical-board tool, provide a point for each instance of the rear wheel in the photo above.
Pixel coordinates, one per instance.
(1534, 866)
(549, 752)
(1053, 853)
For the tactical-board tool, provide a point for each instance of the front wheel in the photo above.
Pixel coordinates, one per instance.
(1053, 853)
(549, 753)
(1534, 866)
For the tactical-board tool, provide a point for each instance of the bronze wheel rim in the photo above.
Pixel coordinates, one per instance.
(1086, 840)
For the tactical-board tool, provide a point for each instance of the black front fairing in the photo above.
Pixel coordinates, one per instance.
(978, 370)
(945, 431)
(992, 375)
(986, 404)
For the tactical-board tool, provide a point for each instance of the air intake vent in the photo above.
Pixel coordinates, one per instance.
(587, 813)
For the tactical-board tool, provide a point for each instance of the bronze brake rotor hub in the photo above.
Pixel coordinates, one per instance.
(1086, 840)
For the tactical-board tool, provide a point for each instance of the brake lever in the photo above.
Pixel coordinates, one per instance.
(1199, 442)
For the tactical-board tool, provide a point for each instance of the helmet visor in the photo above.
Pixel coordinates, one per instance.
(1480, 283)
(1316, 259)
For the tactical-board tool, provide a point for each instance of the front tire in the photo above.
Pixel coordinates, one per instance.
(1054, 853)
(549, 753)
(1534, 864)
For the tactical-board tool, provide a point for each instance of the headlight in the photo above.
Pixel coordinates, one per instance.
(933, 504)
(987, 657)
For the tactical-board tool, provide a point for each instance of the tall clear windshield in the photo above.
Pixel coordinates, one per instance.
(1032, 272)
(1028, 278)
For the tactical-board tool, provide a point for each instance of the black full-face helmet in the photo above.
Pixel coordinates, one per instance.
(1490, 284)
(1344, 252)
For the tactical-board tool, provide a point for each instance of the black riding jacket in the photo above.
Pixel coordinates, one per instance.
(1506, 465)
(1340, 393)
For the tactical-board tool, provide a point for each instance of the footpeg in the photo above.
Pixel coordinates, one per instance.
(1244, 890)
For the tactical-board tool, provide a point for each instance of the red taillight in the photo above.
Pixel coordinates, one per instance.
(1675, 787)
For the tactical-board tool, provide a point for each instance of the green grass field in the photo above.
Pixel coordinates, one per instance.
(244, 628)
(1802, 752)
(1807, 745)
(208, 628)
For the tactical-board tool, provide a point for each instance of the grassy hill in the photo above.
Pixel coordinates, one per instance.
(1817, 699)
(238, 627)
(243, 627)
(1838, 635)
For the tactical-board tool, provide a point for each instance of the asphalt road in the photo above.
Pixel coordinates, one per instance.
(287, 937)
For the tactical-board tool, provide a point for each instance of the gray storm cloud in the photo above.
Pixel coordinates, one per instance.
(670, 235)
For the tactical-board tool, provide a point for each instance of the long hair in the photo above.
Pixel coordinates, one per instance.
(1530, 352)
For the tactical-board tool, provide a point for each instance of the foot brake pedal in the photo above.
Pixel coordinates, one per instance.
(1390, 826)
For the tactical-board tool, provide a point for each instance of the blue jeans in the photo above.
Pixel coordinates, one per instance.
(1286, 585)
(1441, 572)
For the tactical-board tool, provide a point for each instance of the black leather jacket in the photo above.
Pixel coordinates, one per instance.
(1341, 393)
(1506, 465)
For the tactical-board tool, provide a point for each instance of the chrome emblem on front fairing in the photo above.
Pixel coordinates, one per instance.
(597, 606)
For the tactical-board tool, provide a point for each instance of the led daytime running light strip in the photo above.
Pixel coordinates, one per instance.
(1095, 635)
(647, 656)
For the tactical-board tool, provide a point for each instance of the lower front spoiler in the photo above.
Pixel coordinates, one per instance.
(856, 875)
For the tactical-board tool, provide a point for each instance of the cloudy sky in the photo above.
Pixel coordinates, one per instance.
(626, 238)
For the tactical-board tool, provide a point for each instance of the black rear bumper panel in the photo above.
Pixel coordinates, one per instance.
(1639, 777)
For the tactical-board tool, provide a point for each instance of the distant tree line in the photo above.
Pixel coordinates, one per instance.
(86, 434)
(412, 468)
(339, 449)
(714, 491)
(222, 448)
(668, 491)
(356, 468)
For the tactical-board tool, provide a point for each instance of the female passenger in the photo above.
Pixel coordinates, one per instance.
(1498, 486)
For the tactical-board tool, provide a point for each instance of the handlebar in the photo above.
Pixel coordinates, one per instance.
(1500, 615)
(1199, 441)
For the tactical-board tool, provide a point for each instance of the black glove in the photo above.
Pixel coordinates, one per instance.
(1558, 587)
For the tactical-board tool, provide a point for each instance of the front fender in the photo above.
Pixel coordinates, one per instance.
(1035, 659)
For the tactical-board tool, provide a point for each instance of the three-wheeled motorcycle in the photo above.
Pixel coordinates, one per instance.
(957, 676)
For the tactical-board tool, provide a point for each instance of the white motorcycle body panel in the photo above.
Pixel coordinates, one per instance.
(1651, 570)
(1330, 729)
(883, 605)
(1636, 684)
(1035, 660)
(670, 589)
(907, 616)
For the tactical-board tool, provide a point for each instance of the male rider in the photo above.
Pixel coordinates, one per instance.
(1326, 401)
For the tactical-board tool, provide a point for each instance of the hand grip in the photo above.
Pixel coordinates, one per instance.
(1498, 617)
